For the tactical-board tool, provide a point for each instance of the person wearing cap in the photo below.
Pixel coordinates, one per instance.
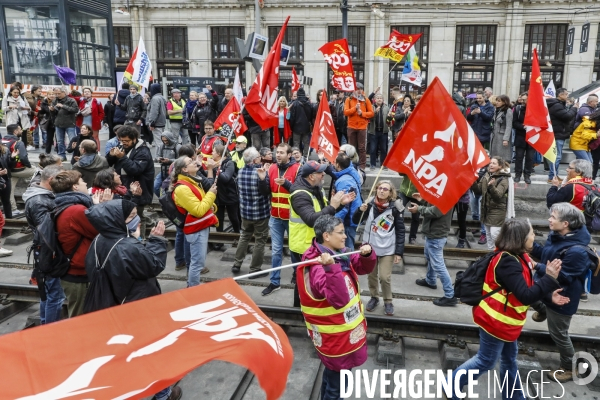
(308, 202)
(237, 155)
(300, 115)
(175, 109)
(359, 110)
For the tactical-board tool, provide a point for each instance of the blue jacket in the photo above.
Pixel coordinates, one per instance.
(347, 179)
(575, 264)
(482, 123)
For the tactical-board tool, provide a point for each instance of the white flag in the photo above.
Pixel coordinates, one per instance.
(412, 70)
(237, 87)
(142, 67)
(550, 90)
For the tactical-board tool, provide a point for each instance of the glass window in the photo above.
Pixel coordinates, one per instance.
(91, 60)
(172, 42)
(123, 45)
(32, 22)
(33, 57)
(475, 42)
(223, 41)
(550, 41)
(356, 40)
(88, 28)
(294, 37)
(422, 48)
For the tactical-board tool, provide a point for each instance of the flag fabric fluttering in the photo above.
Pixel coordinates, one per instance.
(439, 152)
(261, 102)
(338, 57)
(324, 139)
(139, 69)
(397, 45)
(550, 89)
(538, 128)
(66, 74)
(230, 122)
(295, 80)
(238, 93)
(412, 71)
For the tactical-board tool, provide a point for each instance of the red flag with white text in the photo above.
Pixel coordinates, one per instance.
(439, 152)
(324, 138)
(137, 349)
(397, 45)
(338, 57)
(261, 101)
(230, 121)
(295, 80)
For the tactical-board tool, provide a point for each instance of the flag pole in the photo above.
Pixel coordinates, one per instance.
(294, 265)
(389, 73)
(370, 192)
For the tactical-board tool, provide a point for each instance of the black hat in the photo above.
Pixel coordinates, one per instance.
(301, 92)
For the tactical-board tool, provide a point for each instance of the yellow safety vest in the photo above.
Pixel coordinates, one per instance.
(236, 157)
(177, 107)
(301, 235)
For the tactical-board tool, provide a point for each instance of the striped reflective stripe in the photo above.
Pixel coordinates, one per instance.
(337, 328)
(503, 299)
(207, 216)
(280, 205)
(326, 311)
(283, 195)
(500, 317)
(296, 219)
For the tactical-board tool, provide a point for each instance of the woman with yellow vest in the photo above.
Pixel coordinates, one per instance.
(197, 205)
(330, 301)
(502, 314)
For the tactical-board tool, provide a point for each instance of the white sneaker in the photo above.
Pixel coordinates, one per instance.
(30, 148)
(5, 253)
(17, 212)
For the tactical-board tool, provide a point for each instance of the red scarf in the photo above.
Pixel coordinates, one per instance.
(380, 206)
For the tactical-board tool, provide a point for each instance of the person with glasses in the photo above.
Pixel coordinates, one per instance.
(575, 186)
(384, 231)
(208, 142)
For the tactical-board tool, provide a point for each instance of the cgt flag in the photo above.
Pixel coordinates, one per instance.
(136, 349)
(230, 121)
(261, 102)
(295, 80)
(538, 128)
(324, 137)
(337, 55)
(439, 152)
(397, 45)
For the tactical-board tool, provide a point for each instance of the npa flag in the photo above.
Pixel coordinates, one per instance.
(261, 102)
(230, 121)
(439, 152)
(139, 69)
(295, 80)
(337, 55)
(550, 89)
(324, 137)
(539, 133)
(412, 71)
(397, 45)
(137, 349)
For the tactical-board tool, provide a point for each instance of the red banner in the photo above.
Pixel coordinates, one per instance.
(295, 80)
(261, 102)
(338, 56)
(438, 151)
(539, 133)
(230, 121)
(324, 137)
(137, 349)
(397, 45)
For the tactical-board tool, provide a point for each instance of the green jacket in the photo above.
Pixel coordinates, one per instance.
(406, 187)
(435, 224)
(494, 198)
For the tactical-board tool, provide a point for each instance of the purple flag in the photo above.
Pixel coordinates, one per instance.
(66, 74)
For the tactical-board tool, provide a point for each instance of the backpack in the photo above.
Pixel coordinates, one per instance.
(468, 284)
(48, 257)
(11, 144)
(592, 275)
(591, 207)
(170, 209)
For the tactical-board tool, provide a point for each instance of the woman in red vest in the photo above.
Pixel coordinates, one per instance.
(331, 304)
(501, 315)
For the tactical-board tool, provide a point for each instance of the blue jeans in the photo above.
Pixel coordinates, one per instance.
(475, 204)
(559, 149)
(60, 138)
(278, 227)
(50, 309)
(182, 248)
(157, 184)
(163, 394)
(198, 247)
(434, 254)
(583, 155)
(378, 142)
(490, 349)
(350, 232)
(330, 387)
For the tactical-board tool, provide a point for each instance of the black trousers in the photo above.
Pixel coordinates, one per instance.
(524, 152)
(5, 198)
(233, 211)
(595, 161)
(414, 222)
(462, 210)
(193, 137)
(296, 258)
(50, 140)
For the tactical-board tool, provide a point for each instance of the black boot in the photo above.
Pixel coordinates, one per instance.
(527, 179)
(517, 178)
(461, 243)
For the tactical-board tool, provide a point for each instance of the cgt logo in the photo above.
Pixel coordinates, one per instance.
(585, 368)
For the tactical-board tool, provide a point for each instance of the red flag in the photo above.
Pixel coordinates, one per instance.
(397, 45)
(230, 120)
(438, 151)
(324, 137)
(136, 349)
(261, 102)
(295, 80)
(337, 55)
(539, 133)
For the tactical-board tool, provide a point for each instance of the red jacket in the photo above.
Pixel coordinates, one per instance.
(287, 130)
(97, 113)
(72, 225)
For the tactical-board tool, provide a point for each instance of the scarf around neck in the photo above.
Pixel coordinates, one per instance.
(344, 261)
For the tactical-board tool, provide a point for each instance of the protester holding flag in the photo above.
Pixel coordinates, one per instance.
(204, 111)
(561, 118)
(359, 110)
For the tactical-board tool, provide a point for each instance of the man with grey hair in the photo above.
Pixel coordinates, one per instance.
(255, 209)
(567, 241)
(586, 109)
(488, 92)
(64, 111)
(575, 186)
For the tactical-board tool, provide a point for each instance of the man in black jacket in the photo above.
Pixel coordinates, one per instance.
(301, 114)
(337, 114)
(562, 120)
(522, 148)
(121, 96)
(134, 107)
(133, 161)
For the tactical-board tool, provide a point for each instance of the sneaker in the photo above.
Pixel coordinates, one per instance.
(388, 309)
(528, 180)
(30, 148)
(584, 297)
(538, 316)
(17, 212)
(517, 178)
(423, 282)
(204, 271)
(446, 301)
(374, 302)
(412, 240)
(461, 244)
(482, 239)
(264, 274)
(5, 252)
(235, 269)
(181, 266)
(270, 289)
(560, 375)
